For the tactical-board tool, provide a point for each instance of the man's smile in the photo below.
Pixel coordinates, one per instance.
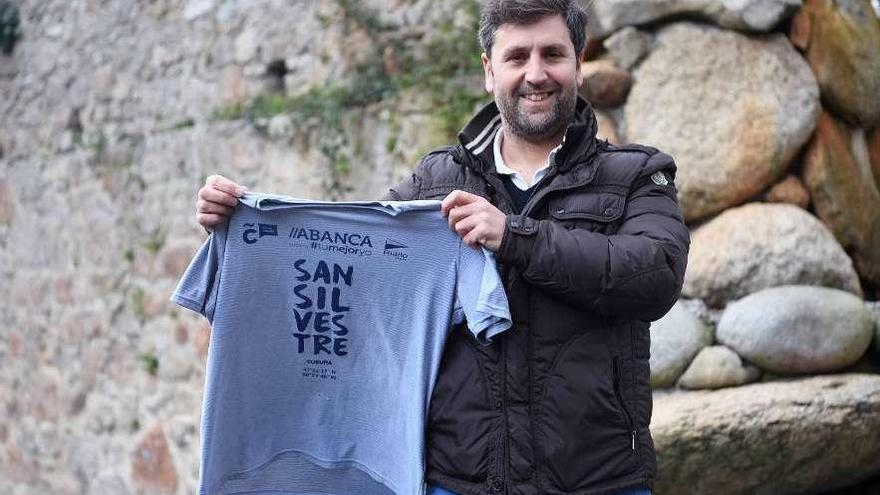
(537, 96)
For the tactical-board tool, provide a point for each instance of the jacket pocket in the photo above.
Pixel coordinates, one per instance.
(595, 211)
(586, 438)
(627, 417)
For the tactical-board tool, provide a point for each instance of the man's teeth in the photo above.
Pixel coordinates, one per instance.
(536, 96)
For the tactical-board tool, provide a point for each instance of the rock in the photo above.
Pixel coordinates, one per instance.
(152, 468)
(762, 245)
(675, 339)
(163, 57)
(176, 363)
(607, 127)
(838, 173)
(798, 436)
(86, 462)
(740, 15)
(840, 40)
(281, 126)
(64, 483)
(197, 8)
(789, 190)
(246, 46)
(874, 310)
(7, 203)
(717, 366)
(9, 65)
(722, 111)
(55, 31)
(108, 485)
(19, 467)
(233, 86)
(103, 82)
(202, 339)
(183, 430)
(181, 334)
(699, 309)
(605, 85)
(176, 256)
(874, 154)
(628, 46)
(798, 329)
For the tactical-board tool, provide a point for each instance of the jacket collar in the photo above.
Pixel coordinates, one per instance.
(578, 146)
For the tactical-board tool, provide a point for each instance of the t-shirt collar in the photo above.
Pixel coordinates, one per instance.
(518, 180)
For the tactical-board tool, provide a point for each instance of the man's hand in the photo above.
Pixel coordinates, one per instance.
(476, 220)
(217, 198)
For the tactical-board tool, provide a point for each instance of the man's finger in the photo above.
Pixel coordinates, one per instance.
(457, 198)
(208, 207)
(458, 213)
(217, 196)
(474, 237)
(465, 225)
(209, 220)
(225, 185)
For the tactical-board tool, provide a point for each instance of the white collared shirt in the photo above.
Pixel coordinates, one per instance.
(517, 178)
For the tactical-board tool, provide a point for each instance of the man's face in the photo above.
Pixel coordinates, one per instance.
(534, 74)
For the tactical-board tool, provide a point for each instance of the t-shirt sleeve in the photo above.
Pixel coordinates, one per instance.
(480, 298)
(197, 290)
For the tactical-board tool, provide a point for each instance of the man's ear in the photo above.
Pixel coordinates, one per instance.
(489, 76)
(578, 61)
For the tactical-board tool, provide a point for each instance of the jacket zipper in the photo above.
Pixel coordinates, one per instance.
(615, 364)
(498, 483)
(551, 171)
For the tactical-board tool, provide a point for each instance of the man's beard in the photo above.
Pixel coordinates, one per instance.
(543, 125)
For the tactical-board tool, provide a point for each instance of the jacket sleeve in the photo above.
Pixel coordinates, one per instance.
(405, 190)
(413, 186)
(636, 273)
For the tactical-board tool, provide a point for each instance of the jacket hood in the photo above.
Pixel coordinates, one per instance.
(578, 145)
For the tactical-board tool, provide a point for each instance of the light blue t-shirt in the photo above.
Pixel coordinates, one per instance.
(329, 320)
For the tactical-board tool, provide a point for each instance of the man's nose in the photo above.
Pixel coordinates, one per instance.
(536, 71)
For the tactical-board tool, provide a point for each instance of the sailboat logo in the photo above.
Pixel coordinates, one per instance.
(392, 244)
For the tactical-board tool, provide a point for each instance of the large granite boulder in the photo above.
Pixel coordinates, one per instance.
(675, 339)
(841, 41)
(874, 309)
(605, 84)
(715, 101)
(838, 174)
(607, 127)
(789, 190)
(744, 15)
(628, 46)
(798, 329)
(717, 366)
(874, 154)
(796, 437)
(761, 245)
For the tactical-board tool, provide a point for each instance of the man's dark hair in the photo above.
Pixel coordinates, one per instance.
(524, 12)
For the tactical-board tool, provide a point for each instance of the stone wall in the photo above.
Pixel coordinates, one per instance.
(114, 112)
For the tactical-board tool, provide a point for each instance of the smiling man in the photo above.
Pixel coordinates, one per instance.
(592, 247)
